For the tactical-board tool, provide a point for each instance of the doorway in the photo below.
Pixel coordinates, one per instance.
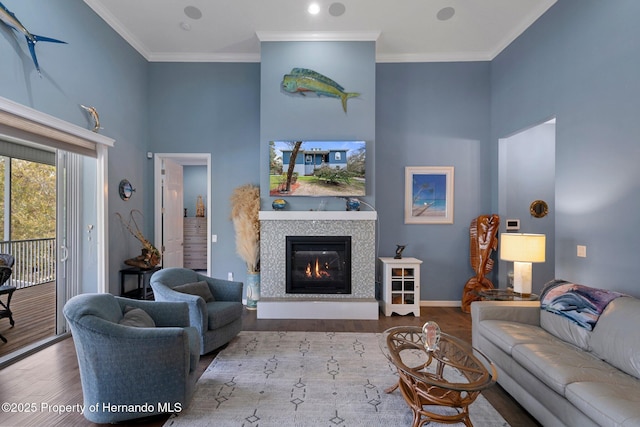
(169, 203)
(527, 173)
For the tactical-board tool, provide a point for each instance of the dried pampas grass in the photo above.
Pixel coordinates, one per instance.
(245, 206)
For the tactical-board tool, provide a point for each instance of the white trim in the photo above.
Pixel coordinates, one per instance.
(185, 159)
(102, 226)
(434, 57)
(117, 26)
(438, 303)
(203, 57)
(29, 114)
(317, 215)
(315, 36)
(533, 16)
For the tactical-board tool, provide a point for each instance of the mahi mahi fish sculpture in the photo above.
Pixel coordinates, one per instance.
(302, 80)
(12, 22)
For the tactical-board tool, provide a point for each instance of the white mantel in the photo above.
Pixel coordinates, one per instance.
(275, 303)
(318, 215)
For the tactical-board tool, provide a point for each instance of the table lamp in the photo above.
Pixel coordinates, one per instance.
(522, 249)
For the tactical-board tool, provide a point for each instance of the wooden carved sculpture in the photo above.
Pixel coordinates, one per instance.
(483, 241)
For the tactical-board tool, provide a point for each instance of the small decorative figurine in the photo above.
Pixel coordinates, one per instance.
(94, 115)
(399, 249)
(431, 336)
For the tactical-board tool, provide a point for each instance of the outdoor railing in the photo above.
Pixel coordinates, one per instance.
(35, 261)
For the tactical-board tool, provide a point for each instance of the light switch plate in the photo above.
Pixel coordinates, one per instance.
(582, 251)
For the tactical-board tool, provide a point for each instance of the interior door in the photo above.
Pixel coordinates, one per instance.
(172, 214)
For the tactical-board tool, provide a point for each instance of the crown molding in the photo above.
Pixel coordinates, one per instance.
(203, 57)
(116, 25)
(324, 36)
(434, 57)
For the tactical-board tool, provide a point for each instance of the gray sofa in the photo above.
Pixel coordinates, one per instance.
(216, 313)
(558, 369)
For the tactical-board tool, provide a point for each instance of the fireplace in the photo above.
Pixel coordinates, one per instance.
(318, 264)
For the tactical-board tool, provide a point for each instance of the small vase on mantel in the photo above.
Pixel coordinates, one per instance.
(253, 290)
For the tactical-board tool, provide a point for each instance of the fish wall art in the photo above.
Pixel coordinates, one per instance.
(302, 80)
(10, 20)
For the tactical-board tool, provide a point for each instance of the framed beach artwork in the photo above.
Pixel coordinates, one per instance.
(428, 195)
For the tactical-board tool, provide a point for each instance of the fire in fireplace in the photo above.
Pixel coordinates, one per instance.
(318, 264)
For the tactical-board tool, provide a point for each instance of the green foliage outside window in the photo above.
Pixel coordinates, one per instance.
(33, 200)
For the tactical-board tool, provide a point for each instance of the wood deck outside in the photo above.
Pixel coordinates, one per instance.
(34, 313)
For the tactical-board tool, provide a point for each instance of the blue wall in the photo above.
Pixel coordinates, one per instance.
(210, 108)
(95, 68)
(527, 173)
(580, 62)
(433, 114)
(286, 116)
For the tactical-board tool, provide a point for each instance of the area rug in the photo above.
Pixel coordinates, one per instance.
(265, 379)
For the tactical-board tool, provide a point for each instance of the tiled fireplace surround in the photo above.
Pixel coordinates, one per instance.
(275, 303)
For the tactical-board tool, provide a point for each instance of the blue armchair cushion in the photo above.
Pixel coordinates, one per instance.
(136, 317)
(200, 289)
(221, 313)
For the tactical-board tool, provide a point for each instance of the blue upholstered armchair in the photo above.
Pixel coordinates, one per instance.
(215, 305)
(125, 360)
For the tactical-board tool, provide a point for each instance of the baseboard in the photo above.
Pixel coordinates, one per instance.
(439, 303)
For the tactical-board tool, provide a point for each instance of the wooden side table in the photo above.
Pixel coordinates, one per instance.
(144, 275)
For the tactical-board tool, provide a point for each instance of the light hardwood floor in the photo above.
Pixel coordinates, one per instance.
(51, 377)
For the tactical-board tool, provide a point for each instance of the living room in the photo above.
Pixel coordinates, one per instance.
(578, 63)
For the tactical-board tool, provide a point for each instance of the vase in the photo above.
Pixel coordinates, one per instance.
(253, 290)
(279, 204)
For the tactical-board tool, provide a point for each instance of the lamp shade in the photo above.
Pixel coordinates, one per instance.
(522, 247)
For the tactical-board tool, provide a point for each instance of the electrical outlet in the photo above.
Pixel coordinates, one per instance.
(582, 251)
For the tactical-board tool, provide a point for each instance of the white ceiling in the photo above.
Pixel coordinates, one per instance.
(404, 30)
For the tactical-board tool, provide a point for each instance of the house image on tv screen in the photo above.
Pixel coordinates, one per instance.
(320, 168)
(307, 161)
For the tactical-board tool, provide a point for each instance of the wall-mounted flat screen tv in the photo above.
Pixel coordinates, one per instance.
(317, 168)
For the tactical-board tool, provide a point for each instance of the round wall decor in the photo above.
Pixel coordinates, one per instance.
(125, 189)
(539, 208)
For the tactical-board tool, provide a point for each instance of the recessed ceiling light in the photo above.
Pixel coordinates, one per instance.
(337, 9)
(314, 8)
(446, 13)
(193, 12)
